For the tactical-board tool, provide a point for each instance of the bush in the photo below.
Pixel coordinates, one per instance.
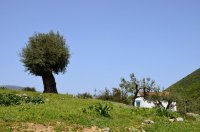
(85, 96)
(105, 95)
(9, 99)
(166, 113)
(116, 95)
(103, 109)
(13, 99)
(197, 118)
(4, 88)
(29, 89)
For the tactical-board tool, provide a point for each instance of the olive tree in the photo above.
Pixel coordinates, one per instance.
(44, 55)
(137, 88)
(159, 97)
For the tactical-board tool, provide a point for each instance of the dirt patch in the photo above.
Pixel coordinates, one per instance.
(31, 127)
(96, 129)
(92, 129)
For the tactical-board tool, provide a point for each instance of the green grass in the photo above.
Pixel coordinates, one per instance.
(188, 88)
(70, 112)
(164, 126)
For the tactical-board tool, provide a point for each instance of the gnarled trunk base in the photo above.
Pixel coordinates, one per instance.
(49, 83)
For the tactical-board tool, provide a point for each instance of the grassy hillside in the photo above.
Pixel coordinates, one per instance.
(188, 88)
(68, 113)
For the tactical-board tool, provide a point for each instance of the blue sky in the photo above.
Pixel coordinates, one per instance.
(108, 39)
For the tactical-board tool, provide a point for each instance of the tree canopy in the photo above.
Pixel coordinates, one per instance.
(45, 54)
(134, 87)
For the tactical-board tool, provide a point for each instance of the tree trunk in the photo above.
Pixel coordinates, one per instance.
(135, 94)
(133, 101)
(168, 104)
(49, 83)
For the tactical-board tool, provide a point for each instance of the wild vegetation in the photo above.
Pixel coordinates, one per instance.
(128, 91)
(62, 112)
(16, 99)
(187, 91)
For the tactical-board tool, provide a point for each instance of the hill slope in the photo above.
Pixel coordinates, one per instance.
(188, 89)
(68, 113)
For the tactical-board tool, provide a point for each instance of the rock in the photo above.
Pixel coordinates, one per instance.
(143, 130)
(132, 129)
(24, 94)
(171, 120)
(148, 121)
(151, 122)
(107, 129)
(192, 114)
(143, 123)
(179, 119)
(58, 122)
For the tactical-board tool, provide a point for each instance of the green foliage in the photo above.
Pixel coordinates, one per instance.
(121, 96)
(13, 99)
(187, 90)
(145, 112)
(103, 109)
(158, 97)
(65, 112)
(166, 113)
(128, 91)
(105, 95)
(45, 53)
(135, 87)
(9, 99)
(3, 88)
(142, 111)
(85, 96)
(29, 89)
(116, 95)
(130, 86)
(197, 118)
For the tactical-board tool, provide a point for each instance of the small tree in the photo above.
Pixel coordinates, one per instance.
(158, 97)
(44, 55)
(105, 95)
(134, 87)
(120, 95)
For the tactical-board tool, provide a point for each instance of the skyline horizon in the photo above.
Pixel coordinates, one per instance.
(95, 90)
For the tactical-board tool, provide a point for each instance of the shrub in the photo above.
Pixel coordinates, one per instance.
(198, 118)
(9, 99)
(116, 95)
(166, 113)
(13, 99)
(4, 88)
(103, 109)
(85, 96)
(36, 100)
(105, 95)
(29, 89)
